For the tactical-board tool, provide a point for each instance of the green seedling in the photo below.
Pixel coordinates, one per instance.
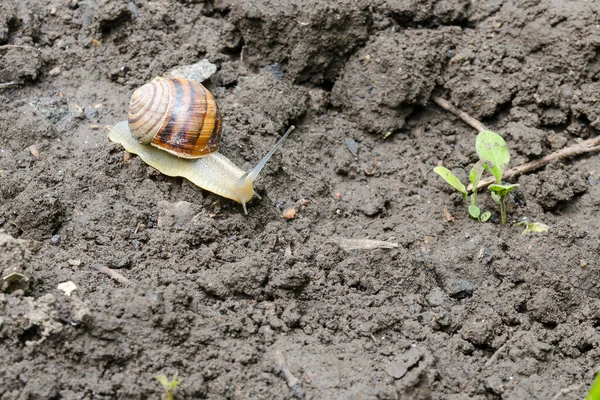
(493, 152)
(594, 393)
(452, 180)
(474, 176)
(499, 193)
(533, 227)
(168, 385)
(493, 158)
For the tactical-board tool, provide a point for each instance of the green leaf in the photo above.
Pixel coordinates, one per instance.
(503, 190)
(475, 174)
(534, 227)
(164, 381)
(594, 393)
(452, 180)
(497, 199)
(168, 385)
(474, 211)
(485, 216)
(492, 149)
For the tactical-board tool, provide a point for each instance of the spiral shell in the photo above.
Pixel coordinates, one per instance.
(179, 116)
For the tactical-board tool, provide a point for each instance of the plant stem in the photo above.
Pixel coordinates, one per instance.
(474, 197)
(503, 211)
(446, 105)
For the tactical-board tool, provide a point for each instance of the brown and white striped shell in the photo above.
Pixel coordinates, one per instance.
(179, 116)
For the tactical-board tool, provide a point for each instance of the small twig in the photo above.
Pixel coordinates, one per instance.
(566, 390)
(445, 104)
(494, 356)
(10, 84)
(111, 273)
(587, 146)
(16, 46)
(294, 383)
(21, 228)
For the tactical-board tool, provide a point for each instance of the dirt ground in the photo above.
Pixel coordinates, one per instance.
(458, 310)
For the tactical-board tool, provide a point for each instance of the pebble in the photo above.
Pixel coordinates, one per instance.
(74, 262)
(275, 71)
(352, 146)
(289, 213)
(55, 240)
(135, 12)
(91, 113)
(54, 71)
(67, 287)
(436, 297)
(460, 289)
(199, 72)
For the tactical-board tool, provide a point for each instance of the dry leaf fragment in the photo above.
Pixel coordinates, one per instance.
(447, 215)
(34, 151)
(362, 244)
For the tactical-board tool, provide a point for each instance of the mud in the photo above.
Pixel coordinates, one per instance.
(458, 310)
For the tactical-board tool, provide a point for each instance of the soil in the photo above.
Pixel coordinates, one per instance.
(172, 279)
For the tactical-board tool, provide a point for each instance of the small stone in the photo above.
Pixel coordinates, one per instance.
(91, 113)
(54, 71)
(583, 263)
(460, 289)
(289, 213)
(76, 110)
(275, 71)
(198, 72)
(135, 12)
(55, 240)
(34, 151)
(67, 287)
(74, 262)
(304, 202)
(352, 146)
(436, 297)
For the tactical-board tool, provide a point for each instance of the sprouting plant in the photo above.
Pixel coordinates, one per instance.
(493, 158)
(492, 150)
(474, 177)
(169, 385)
(594, 393)
(533, 227)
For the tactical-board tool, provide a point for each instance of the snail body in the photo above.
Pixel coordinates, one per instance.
(174, 126)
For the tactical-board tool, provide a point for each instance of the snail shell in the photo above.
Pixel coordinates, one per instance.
(179, 116)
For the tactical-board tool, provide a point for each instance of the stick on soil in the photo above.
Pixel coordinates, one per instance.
(111, 273)
(294, 383)
(587, 146)
(6, 85)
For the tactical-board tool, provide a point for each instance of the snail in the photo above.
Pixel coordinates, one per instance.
(174, 126)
